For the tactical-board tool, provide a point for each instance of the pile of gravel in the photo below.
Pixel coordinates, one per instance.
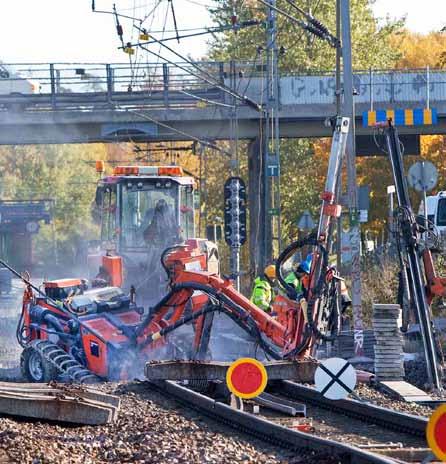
(380, 398)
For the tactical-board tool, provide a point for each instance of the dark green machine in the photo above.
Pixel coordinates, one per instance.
(19, 221)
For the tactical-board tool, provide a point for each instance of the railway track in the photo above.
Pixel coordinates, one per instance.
(364, 411)
(270, 428)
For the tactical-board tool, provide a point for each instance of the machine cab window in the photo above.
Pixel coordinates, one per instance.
(106, 200)
(187, 227)
(148, 213)
(441, 213)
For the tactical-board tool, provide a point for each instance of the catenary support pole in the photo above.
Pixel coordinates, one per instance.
(338, 93)
(256, 212)
(352, 188)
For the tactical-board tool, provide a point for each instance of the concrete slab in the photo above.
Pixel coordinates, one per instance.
(73, 410)
(59, 403)
(72, 390)
(405, 391)
(299, 371)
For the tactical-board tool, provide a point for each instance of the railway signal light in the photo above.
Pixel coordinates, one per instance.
(235, 211)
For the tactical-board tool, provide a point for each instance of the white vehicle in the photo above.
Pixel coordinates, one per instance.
(11, 83)
(436, 212)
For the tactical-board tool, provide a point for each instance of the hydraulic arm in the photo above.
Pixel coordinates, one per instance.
(307, 319)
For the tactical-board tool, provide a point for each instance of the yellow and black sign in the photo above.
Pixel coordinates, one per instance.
(401, 117)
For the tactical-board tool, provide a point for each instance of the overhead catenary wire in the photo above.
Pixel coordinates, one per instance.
(93, 9)
(206, 100)
(210, 79)
(174, 20)
(333, 41)
(150, 13)
(246, 100)
(209, 30)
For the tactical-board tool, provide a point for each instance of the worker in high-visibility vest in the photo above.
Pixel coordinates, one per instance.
(263, 293)
(299, 278)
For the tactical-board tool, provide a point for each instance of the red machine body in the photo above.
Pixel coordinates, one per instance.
(111, 337)
(76, 332)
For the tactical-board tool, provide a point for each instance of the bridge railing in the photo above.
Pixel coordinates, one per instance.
(372, 87)
(180, 83)
(90, 77)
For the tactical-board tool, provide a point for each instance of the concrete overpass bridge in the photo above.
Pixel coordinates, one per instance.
(80, 103)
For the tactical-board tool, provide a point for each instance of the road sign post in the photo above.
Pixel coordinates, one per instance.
(335, 378)
(246, 378)
(423, 177)
(436, 433)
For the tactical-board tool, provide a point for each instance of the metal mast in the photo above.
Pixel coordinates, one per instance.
(352, 188)
(271, 164)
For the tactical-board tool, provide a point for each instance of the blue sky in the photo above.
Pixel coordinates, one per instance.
(67, 30)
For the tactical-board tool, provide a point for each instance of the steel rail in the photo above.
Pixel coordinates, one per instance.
(366, 412)
(263, 429)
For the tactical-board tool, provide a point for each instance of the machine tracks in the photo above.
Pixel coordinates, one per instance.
(270, 430)
(63, 362)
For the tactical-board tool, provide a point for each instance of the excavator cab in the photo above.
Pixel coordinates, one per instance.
(142, 211)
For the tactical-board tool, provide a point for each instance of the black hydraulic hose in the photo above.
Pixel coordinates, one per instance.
(167, 251)
(53, 302)
(316, 292)
(255, 333)
(146, 321)
(243, 318)
(65, 337)
(53, 322)
(21, 339)
(286, 254)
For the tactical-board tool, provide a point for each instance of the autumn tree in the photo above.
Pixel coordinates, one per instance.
(419, 50)
(304, 161)
(414, 51)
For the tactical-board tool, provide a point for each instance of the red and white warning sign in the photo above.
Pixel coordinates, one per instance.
(436, 433)
(246, 378)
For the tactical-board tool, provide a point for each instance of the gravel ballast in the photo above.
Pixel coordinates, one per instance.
(149, 429)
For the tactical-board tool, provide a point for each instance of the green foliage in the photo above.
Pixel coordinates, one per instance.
(62, 173)
(304, 51)
(297, 194)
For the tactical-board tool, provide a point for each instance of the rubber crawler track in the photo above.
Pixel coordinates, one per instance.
(366, 412)
(267, 431)
(65, 363)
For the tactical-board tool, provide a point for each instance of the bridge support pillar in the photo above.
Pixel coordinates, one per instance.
(257, 213)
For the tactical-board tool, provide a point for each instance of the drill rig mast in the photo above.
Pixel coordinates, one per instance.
(409, 234)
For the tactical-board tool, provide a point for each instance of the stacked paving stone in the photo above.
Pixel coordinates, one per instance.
(389, 342)
(344, 345)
